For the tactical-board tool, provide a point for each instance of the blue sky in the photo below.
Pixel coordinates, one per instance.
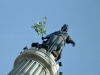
(82, 16)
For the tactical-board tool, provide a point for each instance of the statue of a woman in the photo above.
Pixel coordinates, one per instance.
(57, 40)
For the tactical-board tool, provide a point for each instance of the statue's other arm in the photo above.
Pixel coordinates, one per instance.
(48, 36)
(69, 40)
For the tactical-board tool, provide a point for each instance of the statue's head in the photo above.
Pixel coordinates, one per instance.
(64, 27)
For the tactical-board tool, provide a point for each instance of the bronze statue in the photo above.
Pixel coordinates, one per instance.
(57, 40)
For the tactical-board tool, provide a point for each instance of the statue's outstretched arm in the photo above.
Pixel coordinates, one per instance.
(69, 40)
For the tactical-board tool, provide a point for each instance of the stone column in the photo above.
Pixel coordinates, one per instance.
(35, 62)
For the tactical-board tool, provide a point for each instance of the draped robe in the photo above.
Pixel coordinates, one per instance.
(56, 41)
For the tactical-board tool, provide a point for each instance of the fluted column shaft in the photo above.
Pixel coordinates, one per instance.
(29, 67)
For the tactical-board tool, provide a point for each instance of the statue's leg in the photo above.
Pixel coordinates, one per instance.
(60, 47)
(59, 51)
(58, 57)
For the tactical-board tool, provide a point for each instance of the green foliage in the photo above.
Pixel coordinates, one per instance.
(40, 26)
